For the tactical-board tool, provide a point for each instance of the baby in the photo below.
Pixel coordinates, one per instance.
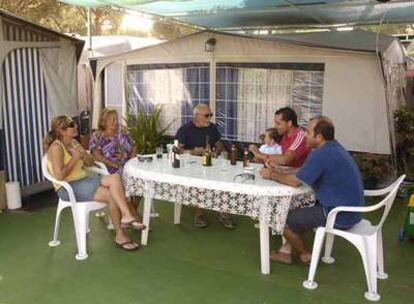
(270, 147)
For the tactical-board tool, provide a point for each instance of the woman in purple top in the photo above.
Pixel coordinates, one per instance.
(110, 144)
(113, 147)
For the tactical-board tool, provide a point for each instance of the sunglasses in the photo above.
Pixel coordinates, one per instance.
(148, 159)
(244, 178)
(207, 115)
(71, 125)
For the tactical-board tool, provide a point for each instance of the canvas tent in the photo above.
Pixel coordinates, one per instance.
(104, 46)
(38, 80)
(347, 76)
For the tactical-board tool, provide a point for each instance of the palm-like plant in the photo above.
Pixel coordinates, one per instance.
(144, 129)
(404, 127)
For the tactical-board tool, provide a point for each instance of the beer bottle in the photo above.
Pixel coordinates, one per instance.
(207, 153)
(233, 155)
(176, 155)
(245, 158)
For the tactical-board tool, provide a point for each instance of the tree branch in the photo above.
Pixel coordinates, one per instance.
(82, 12)
(56, 22)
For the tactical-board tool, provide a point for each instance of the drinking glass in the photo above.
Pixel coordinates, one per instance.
(158, 151)
(185, 159)
(223, 162)
(223, 157)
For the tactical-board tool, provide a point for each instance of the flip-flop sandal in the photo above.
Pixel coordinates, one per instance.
(281, 257)
(124, 246)
(226, 221)
(301, 262)
(130, 224)
(200, 222)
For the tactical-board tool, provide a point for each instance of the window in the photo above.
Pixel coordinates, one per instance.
(248, 94)
(175, 87)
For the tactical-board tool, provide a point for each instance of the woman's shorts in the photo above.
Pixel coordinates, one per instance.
(84, 189)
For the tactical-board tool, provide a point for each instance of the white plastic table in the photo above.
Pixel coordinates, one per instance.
(214, 188)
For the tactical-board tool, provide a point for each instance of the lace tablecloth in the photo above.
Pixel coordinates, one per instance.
(214, 188)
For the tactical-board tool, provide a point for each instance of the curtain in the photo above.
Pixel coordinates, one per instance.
(261, 92)
(247, 98)
(177, 90)
(59, 68)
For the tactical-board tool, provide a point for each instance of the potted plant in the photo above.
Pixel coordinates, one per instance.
(404, 128)
(375, 168)
(144, 129)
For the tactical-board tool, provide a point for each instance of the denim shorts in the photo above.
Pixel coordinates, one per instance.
(307, 218)
(84, 188)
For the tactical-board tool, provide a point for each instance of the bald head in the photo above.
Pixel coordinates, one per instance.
(202, 115)
(320, 118)
(201, 108)
(323, 126)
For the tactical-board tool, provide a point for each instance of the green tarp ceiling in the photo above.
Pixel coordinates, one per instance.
(234, 14)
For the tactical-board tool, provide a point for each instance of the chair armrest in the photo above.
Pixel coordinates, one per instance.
(330, 220)
(65, 185)
(99, 168)
(102, 166)
(379, 192)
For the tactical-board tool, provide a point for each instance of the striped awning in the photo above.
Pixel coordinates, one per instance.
(25, 116)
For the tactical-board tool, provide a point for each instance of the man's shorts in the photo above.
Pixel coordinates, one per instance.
(308, 218)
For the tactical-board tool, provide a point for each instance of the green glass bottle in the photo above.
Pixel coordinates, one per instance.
(207, 156)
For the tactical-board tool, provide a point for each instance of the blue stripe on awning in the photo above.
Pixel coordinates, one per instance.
(25, 116)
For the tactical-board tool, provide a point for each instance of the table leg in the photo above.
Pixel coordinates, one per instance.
(177, 213)
(264, 248)
(154, 213)
(146, 219)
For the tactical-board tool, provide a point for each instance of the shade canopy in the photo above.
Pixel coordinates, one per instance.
(236, 14)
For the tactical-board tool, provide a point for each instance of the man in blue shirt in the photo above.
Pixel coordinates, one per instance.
(334, 176)
(193, 137)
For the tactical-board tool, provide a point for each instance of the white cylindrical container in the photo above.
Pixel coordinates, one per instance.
(14, 198)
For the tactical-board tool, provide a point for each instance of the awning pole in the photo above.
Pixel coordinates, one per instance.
(90, 50)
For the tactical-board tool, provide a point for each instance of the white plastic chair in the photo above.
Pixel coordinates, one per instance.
(367, 238)
(80, 211)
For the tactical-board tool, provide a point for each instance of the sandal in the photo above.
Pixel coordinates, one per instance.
(281, 257)
(125, 246)
(302, 262)
(226, 220)
(135, 224)
(200, 221)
